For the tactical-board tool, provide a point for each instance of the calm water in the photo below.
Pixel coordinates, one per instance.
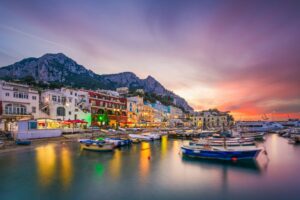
(62, 171)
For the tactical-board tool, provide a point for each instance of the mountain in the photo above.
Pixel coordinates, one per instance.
(58, 68)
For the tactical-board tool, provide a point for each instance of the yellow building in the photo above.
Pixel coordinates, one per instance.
(211, 119)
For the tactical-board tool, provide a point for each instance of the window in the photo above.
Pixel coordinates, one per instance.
(7, 94)
(33, 109)
(16, 109)
(70, 113)
(58, 99)
(75, 94)
(32, 125)
(70, 99)
(20, 95)
(54, 98)
(33, 97)
(61, 111)
(71, 93)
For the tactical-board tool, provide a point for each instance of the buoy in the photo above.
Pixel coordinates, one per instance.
(234, 159)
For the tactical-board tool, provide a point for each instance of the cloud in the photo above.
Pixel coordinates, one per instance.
(235, 55)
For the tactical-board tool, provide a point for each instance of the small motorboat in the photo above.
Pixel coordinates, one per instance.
(154, 136)
(1, 144)
(221, 153)
(254, 135)
(94, 145)
(23, 142)
(141, 137)
(118, 142)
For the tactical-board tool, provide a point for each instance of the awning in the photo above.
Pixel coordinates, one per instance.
(76, 121)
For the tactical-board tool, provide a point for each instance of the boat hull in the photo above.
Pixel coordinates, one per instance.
(220, 155)
(118, 142)
(219, 144)
(23, 143)
(98, 148)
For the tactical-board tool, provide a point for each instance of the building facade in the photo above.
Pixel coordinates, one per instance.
(211, 119)
(17, 102)
(65, 104)
(107, 108)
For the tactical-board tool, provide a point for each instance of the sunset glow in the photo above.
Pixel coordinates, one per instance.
(241, 56)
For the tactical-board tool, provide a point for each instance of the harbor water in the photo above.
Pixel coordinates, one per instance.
(154, 170)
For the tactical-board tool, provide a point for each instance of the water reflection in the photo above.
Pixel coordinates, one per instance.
(46, 164)
(164, 145)
(115, 164)
(250, 166)
(99, 169)
(145, 156)
(66, 172)
(47, 161)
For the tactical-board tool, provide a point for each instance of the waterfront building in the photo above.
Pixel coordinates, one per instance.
(65, 104)
(174, 112)
(160, 113)
(132, 111)
(17, 102)
(197, 119)
(146, 115)
(139, 112)
(107, 108)
(211, 118)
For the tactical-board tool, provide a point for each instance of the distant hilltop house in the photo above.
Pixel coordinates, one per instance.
(62, 107)
(122, 90)
(211, 118)
(141, 91)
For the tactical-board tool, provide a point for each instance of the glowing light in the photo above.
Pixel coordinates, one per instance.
(46, 164)
(145, 157)
(164, 145)
(115, 164)
(66, 167)
(99, 169)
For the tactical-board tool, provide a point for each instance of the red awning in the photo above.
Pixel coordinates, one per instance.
(76, 121)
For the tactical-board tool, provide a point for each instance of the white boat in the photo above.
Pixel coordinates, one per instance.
(255, 135)
(140, 137)
(154, 136)
(231, 143)
(258, 126)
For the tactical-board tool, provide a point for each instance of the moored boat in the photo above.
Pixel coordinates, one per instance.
(141, 137)
(23, 142)
(118, 142)
(97, 146)
(1, 144)
(254, 135)
(221, 153)
(153, 136)
(221, 143)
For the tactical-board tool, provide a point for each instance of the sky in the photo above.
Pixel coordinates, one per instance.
(241, 56)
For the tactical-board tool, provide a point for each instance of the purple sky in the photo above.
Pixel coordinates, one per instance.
(238, 55)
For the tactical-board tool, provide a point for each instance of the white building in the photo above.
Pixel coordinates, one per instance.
(65, 104)
(17, 102)
(123, 90)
